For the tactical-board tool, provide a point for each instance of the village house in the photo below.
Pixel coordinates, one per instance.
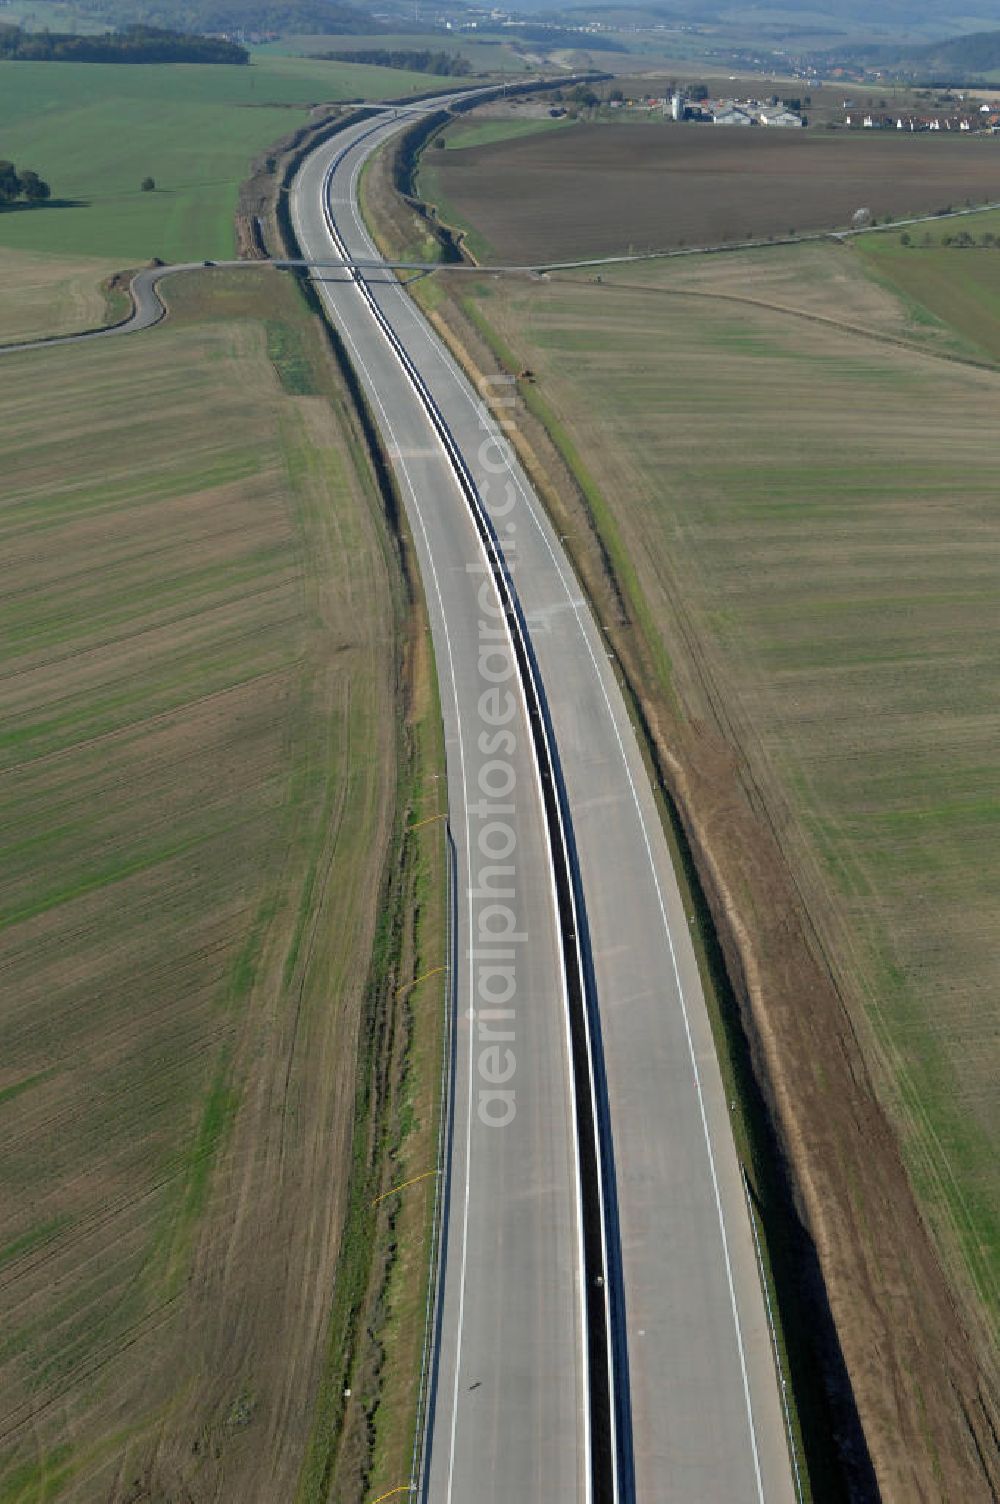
(914, 123)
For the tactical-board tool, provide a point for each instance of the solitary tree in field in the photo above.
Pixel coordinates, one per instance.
(147, 185)
(10, 184)
(34, 189)
(27, 184)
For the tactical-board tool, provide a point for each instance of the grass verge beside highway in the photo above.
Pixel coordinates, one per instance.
(481, 132)
(219, 727)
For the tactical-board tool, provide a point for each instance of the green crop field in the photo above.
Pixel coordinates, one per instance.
(959, 287)
(480, 132)
(809, 507)
(486, 54)
(94, 131)
(198, 775)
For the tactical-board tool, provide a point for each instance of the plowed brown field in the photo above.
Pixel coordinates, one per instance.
(600, 189)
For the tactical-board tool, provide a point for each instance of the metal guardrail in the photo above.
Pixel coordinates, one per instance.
(793, 1450)
(443, 1177)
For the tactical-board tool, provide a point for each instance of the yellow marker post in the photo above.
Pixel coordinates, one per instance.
(404, 1488)
(429, 820)
(422, 978)
(402, 1187)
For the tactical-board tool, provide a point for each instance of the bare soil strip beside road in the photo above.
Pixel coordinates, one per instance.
(913, 1359)
(220, 723)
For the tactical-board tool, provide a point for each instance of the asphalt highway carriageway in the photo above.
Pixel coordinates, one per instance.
(699, 1411)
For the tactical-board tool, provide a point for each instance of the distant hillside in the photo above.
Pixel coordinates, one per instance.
(957, 60)
(903, 18)
(441, 64)
(243, 17)
(963, 57)
(895, 15)
(136, 44)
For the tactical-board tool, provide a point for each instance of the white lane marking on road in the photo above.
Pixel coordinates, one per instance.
(459, 379)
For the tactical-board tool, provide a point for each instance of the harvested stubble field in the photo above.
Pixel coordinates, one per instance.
(796, 480)
(199, 772)
(603, 189)
(42, 295)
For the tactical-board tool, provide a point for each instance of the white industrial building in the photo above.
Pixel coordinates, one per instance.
(786, 119)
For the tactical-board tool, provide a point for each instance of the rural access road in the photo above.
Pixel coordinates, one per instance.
(149, 309)
(700, 1411)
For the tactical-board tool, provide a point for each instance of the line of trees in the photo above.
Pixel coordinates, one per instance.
(557, 36)
(444, 64)
(135, 44)
(962, 240)
(26, 185)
